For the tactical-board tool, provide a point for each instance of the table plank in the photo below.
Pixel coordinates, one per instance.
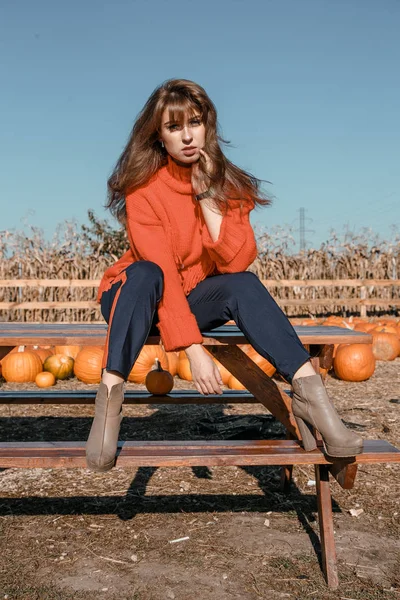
(50, 396)
(14, 334)
(185, 453)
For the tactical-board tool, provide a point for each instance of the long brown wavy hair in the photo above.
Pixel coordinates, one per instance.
(143, 154)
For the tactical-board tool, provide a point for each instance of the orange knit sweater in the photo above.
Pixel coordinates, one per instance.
(165, 225)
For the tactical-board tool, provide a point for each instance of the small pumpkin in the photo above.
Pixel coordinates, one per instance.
(88, 364)
(45, 379)
(354, 362)
(158, 381)
(60, 365)
(21, 366)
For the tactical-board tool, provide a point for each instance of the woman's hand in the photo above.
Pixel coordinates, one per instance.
(205, 373)
(201, 177)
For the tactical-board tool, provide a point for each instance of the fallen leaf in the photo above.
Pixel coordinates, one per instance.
(356, 512)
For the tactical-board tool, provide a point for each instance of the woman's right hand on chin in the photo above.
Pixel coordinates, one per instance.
(205, 373)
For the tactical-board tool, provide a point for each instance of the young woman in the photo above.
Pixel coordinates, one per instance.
(186, 210)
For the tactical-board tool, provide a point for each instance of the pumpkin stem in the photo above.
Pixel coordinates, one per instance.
(158, 365)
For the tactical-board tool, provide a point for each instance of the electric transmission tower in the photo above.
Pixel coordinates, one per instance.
(302, 229)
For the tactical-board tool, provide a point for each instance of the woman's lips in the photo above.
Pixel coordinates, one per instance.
(189, 150)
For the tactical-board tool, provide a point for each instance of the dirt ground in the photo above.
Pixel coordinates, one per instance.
(73, 534)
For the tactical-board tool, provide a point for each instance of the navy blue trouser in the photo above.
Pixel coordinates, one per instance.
(130, 309)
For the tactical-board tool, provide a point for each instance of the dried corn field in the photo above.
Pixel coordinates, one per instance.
(84, 253)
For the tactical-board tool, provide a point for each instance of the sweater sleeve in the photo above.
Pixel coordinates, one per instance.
(236, 248)
(177, 324)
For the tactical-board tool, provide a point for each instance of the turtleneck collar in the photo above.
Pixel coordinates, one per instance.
(177, 177)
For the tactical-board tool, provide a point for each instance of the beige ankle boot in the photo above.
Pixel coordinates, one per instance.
(312, 406)
(101, 446)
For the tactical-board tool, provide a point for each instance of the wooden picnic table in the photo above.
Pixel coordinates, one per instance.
(222, 343)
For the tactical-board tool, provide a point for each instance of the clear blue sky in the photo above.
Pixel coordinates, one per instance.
(308, 92)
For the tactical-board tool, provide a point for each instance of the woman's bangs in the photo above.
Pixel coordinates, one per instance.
(178, 110)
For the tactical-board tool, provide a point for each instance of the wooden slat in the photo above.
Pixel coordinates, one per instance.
(130, 397)
(184, 453)
(330, 282)
(62, 283)
(57, 305)
(16, 334)
(267, 282)
(330, 302)
(282, 302)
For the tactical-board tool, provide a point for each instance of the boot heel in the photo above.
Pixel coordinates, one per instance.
(307, 437)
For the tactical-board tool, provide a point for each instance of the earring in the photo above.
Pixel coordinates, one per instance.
(162, 144)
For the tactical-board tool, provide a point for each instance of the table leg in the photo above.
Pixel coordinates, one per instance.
(343, 471)
(286, 471)
(325, 518)
(4, 350)
(322, 358)
(263, 388)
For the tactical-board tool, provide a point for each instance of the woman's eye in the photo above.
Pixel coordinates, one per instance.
(176, 125)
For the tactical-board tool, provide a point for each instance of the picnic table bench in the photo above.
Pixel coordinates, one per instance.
(222, 343)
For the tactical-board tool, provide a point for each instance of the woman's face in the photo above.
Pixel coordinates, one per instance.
(183, 141)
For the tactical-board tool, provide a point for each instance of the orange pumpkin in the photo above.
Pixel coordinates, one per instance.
(45, 379)
(309, 322)
(145, 361)
(223, 371)
(385, 346)
(41, 351)
(158, 381)
(262, 362)
(21, 367)
(354, 362)
(234, 383)
(173, 362)
(365, 327)
(71, 351)
(184, 371)
(387, 329)
(88, 363)
(390, 322)
(333, 321)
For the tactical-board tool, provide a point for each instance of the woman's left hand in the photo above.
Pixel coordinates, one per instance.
(200, 181)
